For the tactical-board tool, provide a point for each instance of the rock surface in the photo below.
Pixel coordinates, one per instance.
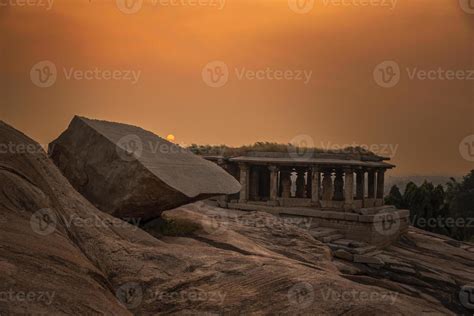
(132, 173)
(61, 255)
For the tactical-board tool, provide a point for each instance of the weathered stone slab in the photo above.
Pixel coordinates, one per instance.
(342, 254)
(130, 172)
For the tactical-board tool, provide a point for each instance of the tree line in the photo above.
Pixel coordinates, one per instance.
(447, 210)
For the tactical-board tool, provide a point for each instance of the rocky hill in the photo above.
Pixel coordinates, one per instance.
(61, 255)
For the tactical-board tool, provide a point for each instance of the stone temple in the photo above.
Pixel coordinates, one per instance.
(340, 189)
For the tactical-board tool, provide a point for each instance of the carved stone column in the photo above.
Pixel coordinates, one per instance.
(327, 186)
(349, 189)
(285, 184)
(371, 184)
(273, 183)
(380, 183)
(300, 183)
(360, 185)
(338, 186)
(254, 183)
(244, 180)
(315, 184)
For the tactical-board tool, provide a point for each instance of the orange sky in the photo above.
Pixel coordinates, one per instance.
(341, 44)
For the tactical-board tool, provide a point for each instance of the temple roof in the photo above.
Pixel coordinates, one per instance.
(311, 161)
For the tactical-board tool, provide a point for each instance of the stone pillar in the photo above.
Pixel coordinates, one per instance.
(300, 183)
(244, 180)
(309, 184)
(338, 186)
(254, 183)
(327, 186)
(315, 184)
(273, 183)
(349, 189)
(380, 183)
(360, 184)
(371, 184)
(285, 184)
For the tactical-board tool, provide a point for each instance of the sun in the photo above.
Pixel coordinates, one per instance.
(170, 138)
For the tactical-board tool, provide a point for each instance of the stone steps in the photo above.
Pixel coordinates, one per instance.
(323, 232)
(331, 238)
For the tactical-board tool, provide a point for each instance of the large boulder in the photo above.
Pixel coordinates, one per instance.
(132, 173)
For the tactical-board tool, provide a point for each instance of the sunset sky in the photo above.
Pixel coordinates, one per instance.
(169, 46)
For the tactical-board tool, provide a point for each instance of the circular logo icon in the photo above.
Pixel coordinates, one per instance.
(387, 223)
(43, 222)
(387, 74)
(467, 6)
(215, 74)
(301, 6)
(130, 147)
(466, 148)
(301, 295)
(466, 296)
(44, 74)
(130, 295)
(216, 224)
(129, 6)
(301, 147)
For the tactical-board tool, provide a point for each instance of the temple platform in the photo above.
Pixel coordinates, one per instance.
(379, 226)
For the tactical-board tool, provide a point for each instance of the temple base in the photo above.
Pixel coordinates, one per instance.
(378, 226)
